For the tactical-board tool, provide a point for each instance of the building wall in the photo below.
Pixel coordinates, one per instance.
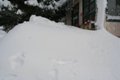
(113, 10)
(113, 27)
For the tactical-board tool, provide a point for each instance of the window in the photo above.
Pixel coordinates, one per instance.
(75, 15)
(118, 2)
(89, 10)
(113, 7)
(118, 7)
(113, 10)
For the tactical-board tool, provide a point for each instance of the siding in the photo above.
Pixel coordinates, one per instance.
(113, 27)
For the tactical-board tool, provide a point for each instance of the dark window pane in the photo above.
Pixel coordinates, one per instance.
(113, 7)
(89, 10)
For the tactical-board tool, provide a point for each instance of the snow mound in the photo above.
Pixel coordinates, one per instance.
(44, 50)
(2, 33)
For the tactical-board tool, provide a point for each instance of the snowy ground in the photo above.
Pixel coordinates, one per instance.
(2, 33)
(44, 50)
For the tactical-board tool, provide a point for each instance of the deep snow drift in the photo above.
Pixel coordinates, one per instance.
(44, 50)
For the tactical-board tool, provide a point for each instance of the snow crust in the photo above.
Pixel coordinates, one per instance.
(44, 50)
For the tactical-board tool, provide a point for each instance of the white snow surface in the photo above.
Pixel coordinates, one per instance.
(2, 33)
(44, 50)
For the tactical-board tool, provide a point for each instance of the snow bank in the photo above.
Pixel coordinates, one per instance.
(2, 33)
(44, 50)
(54, 5)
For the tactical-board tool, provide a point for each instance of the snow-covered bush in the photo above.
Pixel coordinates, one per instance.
(13, 12)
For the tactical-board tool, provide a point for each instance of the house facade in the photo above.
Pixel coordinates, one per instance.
(81, 13)
(112, 21)
(84, 14)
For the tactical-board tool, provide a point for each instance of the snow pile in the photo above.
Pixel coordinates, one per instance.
(6, 3)
(44, 50)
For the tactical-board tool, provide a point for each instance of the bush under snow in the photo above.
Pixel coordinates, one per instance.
(55, 4)
(5, 3)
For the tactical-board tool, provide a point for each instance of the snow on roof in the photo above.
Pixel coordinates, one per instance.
(44, 50)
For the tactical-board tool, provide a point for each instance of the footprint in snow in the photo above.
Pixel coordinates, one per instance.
(16, 61)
